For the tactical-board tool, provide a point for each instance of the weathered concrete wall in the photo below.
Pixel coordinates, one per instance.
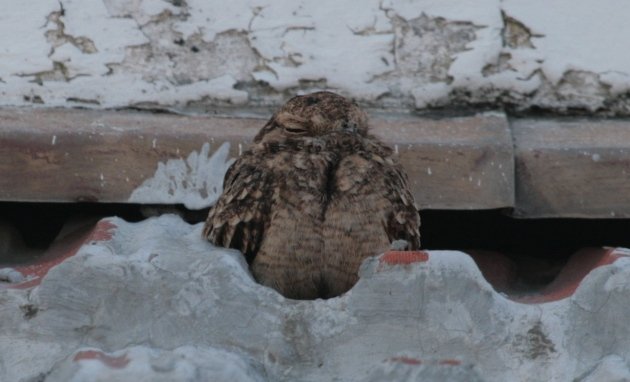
(386, 53)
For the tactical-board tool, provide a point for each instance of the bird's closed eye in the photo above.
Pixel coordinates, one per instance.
(295, 130)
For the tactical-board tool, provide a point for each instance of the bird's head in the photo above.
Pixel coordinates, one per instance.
(314, 115)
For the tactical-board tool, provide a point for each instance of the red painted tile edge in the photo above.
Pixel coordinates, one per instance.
(59, 251)
(403, 257)
(113, 362)
(406, 360)
(499, 271)
(570, 277)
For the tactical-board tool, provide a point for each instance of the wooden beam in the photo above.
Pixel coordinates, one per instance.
(61, 155)
(454, 163)
(572, 168)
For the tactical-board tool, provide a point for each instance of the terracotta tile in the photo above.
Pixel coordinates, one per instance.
(119, 362)
(59, 251)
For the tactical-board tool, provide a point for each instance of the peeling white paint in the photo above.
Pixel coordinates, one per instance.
(195, 182)
(391, 53)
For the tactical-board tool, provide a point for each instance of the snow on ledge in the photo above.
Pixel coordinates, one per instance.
(196, 182)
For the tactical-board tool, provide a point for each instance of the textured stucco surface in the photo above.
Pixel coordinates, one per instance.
(403, 54)
(152, 301)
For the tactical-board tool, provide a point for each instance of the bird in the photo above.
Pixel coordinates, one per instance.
(312, 197)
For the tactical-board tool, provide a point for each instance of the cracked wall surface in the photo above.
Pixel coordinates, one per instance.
(394, 54)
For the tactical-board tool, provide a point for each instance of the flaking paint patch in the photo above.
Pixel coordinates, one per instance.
(391, 53)
(195, 182)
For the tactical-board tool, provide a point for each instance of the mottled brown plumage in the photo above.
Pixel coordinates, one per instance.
(313, 196)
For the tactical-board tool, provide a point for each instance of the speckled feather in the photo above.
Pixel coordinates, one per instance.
(313, 197)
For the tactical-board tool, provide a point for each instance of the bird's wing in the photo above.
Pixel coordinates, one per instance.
(374, 180)
(241, 215)
(402, 219)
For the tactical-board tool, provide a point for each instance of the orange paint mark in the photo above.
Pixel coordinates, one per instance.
(113, 362)
(103, 231)
(59, 251)
(403, 257)
(450, 362)
(406, 360)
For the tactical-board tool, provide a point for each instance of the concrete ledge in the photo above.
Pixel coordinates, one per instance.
(65, 155)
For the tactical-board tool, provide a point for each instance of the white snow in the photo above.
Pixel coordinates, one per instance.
(10, 275)
(195, 182)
